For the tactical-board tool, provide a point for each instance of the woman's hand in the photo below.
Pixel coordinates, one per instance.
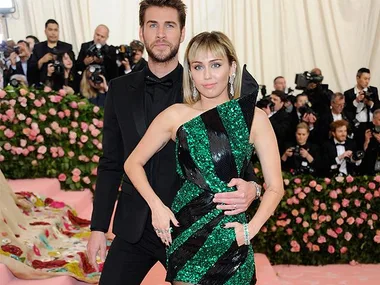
(161, 218)
(68, 90)
(50, 69)
(239, 232)
(103, 87)
(303, 152)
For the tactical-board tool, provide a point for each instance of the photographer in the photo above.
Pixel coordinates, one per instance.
(93, 85)
(48, 50)
(362, 100)
(32, 41)
(99, 52)
(301, 157)
(21, 62)
(371, 160)
(61, 74)
(337, 112)
(135, 61)
(340, 155)
(319, 95)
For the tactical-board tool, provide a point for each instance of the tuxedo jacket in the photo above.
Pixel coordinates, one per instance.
(350, 97)
(329, 153)
(32, 71)
(124, 126)
(109, 61)
(281, 125)
(324, 121)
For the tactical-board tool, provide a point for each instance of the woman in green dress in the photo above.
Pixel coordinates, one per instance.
(216, 131)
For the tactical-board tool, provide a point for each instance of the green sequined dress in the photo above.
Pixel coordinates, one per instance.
(211, 149)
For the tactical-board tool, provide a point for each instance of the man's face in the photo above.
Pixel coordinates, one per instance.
(161, 33)
(52, 33)
(363, 80)
(301, 100)
(340, 134)
(280, 84)
(337, 105)
(138, 55)
(376, 120)
(278, 104)
(24, 50)
(100, 35)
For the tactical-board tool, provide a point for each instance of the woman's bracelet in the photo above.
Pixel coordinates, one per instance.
(246, 235)
(258, 189)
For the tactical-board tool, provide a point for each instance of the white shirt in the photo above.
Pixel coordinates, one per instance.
(340, 149)
(337, 117)
(361, 108)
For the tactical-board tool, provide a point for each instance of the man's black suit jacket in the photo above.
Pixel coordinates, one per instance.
(109, 61)
(124, 126)
(281, 125)
(32, 71)
(324, 121)
(329, 153)
(350, 96)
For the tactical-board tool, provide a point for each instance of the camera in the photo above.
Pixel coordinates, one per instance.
(375, 130)
(58, 66)
(14, 82)
(263, 90)
(296, 150)
(368, 95)
(265, 102)
(302, 80)
(125, 52)
(16, 49)
(97, 50)
(306, 109)
(357, 155)
(96, 71)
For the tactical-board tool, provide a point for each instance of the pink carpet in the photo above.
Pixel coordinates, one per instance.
(266, 274)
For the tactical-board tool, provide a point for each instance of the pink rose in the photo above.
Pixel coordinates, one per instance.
(76, 172)
(2, 94)
(62, 92)
(340, 221)
(61, 114)
(54, 125)
(91, 128)
(76, 114)
(96, 109)
(65, 130)
(40, 139)
(42, 117)
(295, 247)
(322, 218)
(359, 221)
(350, 220)
(34, 163)
(336, 207)
(47, 89)
(339, 230)
(31, 148)
(360, 235)
(74, 124)
(62, 177)
(349, 179)
(333, 194)
(95, 159)
(72, 135)
(321, 239)
(371, 185)
(298, 220)
(302, 210)
(343, 250)
(374, 217)
(362, 190)
(95, 132)
(314, 216)
(42, 149)
(345, 202)
(83, 138)
(318, 188)
(61, 152)
(313, 183)
(301, 195)
(343, 214)
(9, 133)
(376, 238)
(331, 249)
(84, 126)
(32, 96)
(23, 143)
(21, 117)
(52, 112)
(23, 92)
(323, 206)
(363, 215)
(40, 156)
(75, 179)
(277, 248)
(289, 231)
(100, 146)
(315, 247)
(71, 154)
(368, 196)
(357, 203)
(33, 112)
(297, 181)
(48, 131)
(310, 232)
(332, 233)
(327, 181)
(73, 105)
(2, 158)
(37, 103)
(316, 202)
(86, 180)
(307, 190)
(94, 171)
(377, 177)
(305, 224)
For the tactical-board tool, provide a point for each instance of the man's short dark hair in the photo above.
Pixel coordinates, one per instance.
(137, 45)
(362, 70)
(175, 4)
(280, 94)
(278, 77)
(25, 42)
(302, 94)
(36, 40)
(51, 21)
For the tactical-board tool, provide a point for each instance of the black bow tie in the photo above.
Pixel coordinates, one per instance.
(150, 81)
(342, 144)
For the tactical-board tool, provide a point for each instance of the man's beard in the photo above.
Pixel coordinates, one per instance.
(161, 58)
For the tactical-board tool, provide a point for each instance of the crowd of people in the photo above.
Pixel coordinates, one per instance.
(326, 133)
(53, 63)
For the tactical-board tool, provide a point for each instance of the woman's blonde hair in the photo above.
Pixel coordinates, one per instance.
(303, 125)
(86, 89)
(220, 45)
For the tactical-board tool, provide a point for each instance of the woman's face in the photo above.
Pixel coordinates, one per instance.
(301, 136)
(67, 62)
(210, 74)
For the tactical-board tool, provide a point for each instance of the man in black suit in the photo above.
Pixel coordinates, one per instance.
(138, 62)
(107, 53)
(46, 51)
(132, 102)
(371, 160)
(362, 100)
(338, 112)
(280, 119)
(339, 153)
(23, 63)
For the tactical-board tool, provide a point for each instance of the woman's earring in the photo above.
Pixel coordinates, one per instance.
(195, 91)
(231, 82)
